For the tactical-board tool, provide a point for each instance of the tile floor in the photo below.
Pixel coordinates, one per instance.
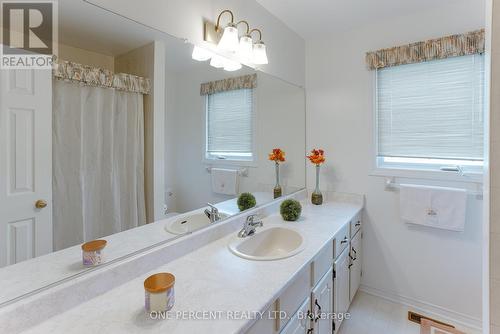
(374, 315)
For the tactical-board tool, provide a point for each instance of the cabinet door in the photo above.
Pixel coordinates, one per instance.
(301, 321)
(341, 286)
(355, 266)
(322, 304)
(265, 325)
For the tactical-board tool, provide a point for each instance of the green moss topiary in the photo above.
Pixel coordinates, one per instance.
(290, 210)
(246, 201)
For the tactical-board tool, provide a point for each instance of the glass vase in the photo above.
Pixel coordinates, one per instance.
(277, 188)
(317, 196)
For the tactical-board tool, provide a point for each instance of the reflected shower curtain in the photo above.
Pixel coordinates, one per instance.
(98, 162)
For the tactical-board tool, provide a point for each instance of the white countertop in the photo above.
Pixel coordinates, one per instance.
(208, 279)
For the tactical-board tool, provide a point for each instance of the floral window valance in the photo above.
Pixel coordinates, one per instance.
(245, 81)
(440, 48)
(94, 76)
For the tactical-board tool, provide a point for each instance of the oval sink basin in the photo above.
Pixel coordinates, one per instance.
(190, 223)
(269, 244)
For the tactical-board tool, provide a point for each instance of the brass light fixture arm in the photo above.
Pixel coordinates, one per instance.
(217, 26)
(246, 23)
(257, 30)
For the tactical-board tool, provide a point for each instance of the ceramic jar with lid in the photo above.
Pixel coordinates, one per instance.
(159, 292)
(92, 252)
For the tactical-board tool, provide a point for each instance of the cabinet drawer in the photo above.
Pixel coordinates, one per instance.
(355, 224)
(321, 263)
(291, 299)
(341, 240)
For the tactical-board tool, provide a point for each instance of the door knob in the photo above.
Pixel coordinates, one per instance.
(40, 204)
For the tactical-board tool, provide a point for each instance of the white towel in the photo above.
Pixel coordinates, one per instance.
(437, 207)
(224, 181)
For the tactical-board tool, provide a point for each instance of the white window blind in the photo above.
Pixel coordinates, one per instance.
(432, 110)
(230, 125)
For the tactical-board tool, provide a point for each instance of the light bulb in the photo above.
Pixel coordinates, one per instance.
(229, 41)
(231, 65)
(217, 61)
(246, 48)
(201, 54)
(259, 53)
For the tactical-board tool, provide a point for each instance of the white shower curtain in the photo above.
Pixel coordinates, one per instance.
(98, 162)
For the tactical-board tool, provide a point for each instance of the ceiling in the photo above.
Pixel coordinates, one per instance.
(310, 18)
(89, 27)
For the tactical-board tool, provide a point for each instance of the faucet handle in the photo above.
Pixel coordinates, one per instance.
(255, 218)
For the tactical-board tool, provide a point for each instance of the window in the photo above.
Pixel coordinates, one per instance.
(430, 115)
(230, 125)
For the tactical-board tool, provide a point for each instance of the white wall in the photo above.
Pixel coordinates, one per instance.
(184, 19)
(437, 270)
(280, 115)
(87, 57)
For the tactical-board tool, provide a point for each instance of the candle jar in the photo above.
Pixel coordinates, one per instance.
(159, 292)
(92, 252)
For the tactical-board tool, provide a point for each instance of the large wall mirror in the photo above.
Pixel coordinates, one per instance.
(130, 140)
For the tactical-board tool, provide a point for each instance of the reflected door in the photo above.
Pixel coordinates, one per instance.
(25, 164)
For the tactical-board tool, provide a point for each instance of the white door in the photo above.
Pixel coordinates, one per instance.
(341, 286)
(300, 323)
(25, 164)
(322, 304)
(355, 266)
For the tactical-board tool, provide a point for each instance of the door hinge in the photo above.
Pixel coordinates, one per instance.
(334, 274)
(333, 326)
(361, 273)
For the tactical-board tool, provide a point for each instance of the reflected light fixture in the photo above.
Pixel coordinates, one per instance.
(201, 54)
(217, 61)
(229, 41)
(231, 65)
(259, 56)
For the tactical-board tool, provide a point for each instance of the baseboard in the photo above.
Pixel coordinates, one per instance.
(427, 309)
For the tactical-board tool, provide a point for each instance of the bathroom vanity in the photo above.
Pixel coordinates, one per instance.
(318, 297)
(322, 278)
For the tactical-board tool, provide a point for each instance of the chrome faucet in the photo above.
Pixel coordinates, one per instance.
(212, 214)
(249, 227)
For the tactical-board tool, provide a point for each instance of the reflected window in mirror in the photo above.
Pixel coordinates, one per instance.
(230, 128)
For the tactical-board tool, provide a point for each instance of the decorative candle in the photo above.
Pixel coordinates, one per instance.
(159, 289)
(92, 253)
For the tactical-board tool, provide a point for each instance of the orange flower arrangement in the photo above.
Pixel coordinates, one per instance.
(277, 155)
(317, 156)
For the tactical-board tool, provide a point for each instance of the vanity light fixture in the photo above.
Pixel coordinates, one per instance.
(226, 49)
(229, 41)
(245, 49)
(217, 61)
(231, 65)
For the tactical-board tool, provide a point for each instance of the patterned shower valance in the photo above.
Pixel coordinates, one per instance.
(94, 76)
(440, 48)
(246, 81)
